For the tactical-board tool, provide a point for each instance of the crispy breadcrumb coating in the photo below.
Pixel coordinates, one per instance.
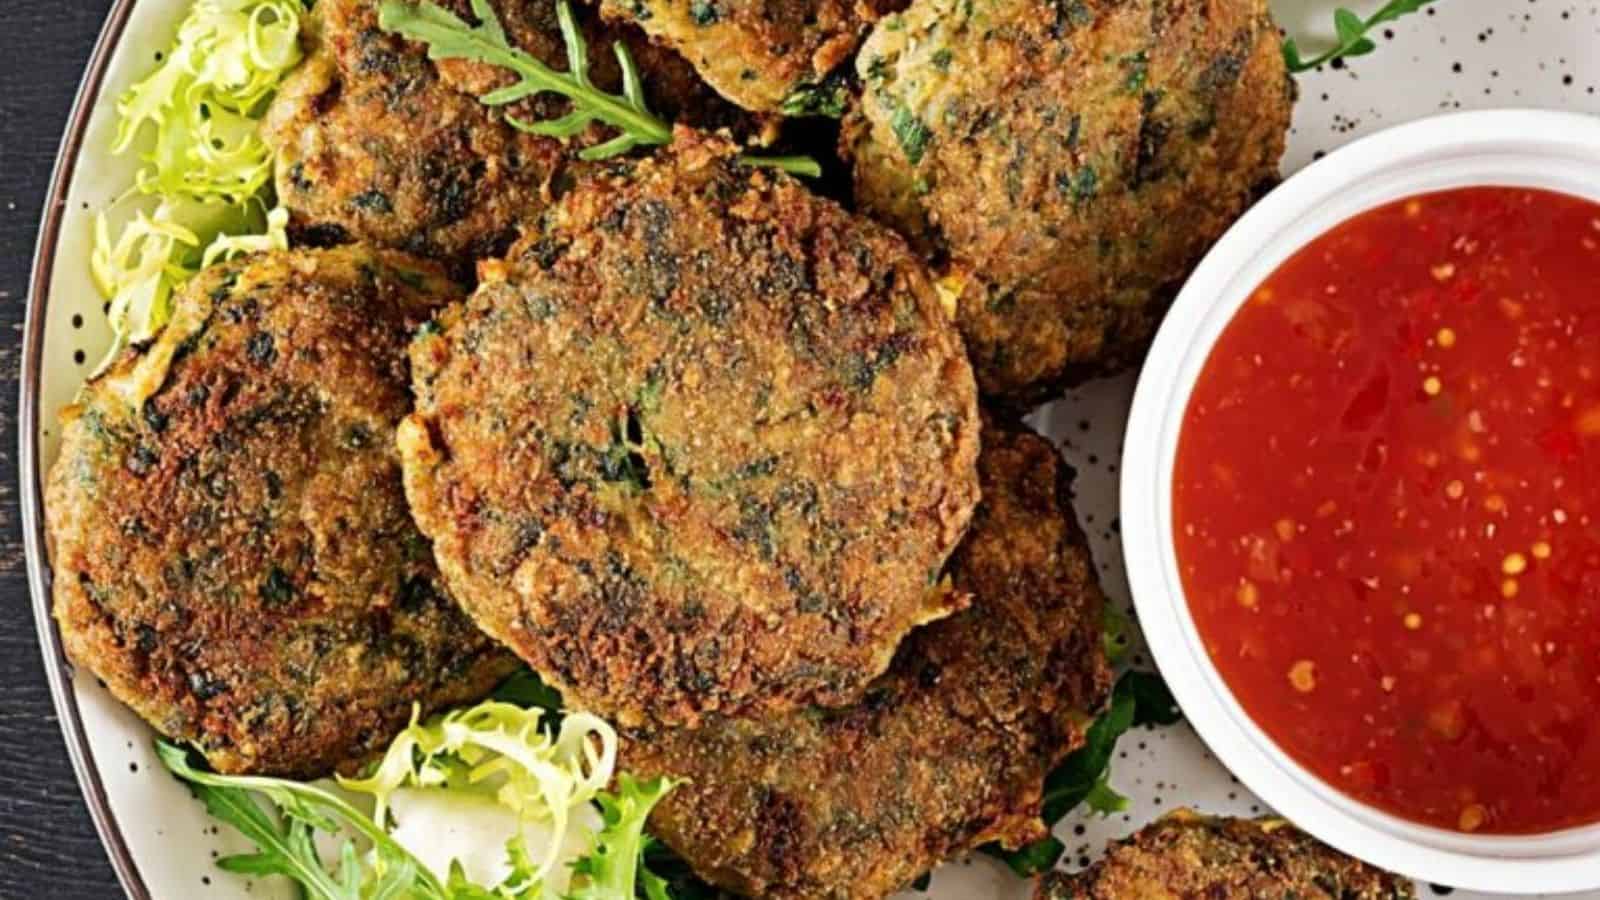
(701, 443)
(229, 535)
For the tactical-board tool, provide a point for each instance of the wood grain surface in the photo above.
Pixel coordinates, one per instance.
(48, 848)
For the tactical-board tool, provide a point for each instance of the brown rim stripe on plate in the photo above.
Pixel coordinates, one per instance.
(56, 667)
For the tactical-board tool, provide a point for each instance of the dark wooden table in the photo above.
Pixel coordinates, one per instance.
(48, 848)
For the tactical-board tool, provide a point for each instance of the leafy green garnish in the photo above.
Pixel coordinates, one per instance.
(1351, 31)
(1139, 698)
(194, 121)
(202, 101)
(526, 689)
(502, 750)
(612, 869)
(150, 257)
(1115, 632)
(286, 844)
(448, 37)
(553, 782)
(228, 246)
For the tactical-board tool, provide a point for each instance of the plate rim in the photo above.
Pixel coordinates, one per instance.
(58, 671)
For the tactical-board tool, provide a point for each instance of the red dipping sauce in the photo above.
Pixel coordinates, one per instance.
(1387, 508)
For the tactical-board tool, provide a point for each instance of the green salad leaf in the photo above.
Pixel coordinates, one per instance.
(613, 868)
(447, 36)
(552, 778)
(194, 120)
(203, 100)
(1351, 31)
(286, 842)
(138, 270)
(1116, 632)
(1139, 698)
(542, 775)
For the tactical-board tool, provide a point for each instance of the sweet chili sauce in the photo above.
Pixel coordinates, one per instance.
(1387, 508)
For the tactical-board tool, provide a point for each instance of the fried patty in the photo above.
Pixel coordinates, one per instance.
(229, 535)
(765, 55)
(1186, 856)
(702, 442)
(377, 143)
(945, 752)
(1067, 163)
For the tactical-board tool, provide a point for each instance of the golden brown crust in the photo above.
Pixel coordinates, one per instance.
(1069, 162)
(377, 143)
(698, 444)
(231, 547)
(1185, 856)
(760, 54)
(945, 752)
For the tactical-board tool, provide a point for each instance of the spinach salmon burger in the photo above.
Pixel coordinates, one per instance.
(1066, 163)
(232, 551)
(946, 752)
(376, 142)
(783, 56)
(1185, 855)
(701, 443)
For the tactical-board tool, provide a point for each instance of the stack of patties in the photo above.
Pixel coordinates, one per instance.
(702, 448)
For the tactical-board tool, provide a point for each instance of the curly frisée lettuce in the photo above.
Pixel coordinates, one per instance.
(473, 769)
(205, 97)
(194, 120)
(150, 257)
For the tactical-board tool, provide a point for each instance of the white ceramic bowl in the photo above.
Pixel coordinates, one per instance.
(1552, 150)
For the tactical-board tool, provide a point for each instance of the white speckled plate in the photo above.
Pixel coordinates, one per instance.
(1461, 54)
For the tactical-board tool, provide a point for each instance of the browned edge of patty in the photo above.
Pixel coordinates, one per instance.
(375, 142)
(1185, 855)
(947, 751)
(231, 549)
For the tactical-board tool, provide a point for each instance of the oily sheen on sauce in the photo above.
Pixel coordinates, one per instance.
(1387, 508)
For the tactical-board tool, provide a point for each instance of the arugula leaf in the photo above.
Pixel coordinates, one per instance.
(287, 845)
(448, 37)
(1114, 632)
(1153, 701)
(793, 164)
(1103, 798)
(1351, 33)
(1139, 698)
(1030, 859)
(526, 689)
